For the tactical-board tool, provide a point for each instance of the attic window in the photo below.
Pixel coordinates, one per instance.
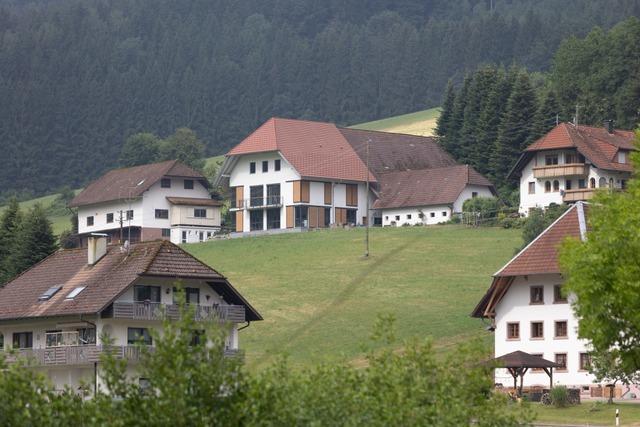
(46, 296)
(74, 293)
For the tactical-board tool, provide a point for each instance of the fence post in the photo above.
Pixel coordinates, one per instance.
(617, 417)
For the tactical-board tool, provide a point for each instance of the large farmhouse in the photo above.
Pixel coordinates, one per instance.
(297, 173)
(166, 200)
(570, 162)
(56, 312)
(529, 312)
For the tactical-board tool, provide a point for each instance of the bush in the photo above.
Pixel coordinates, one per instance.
(560, 396)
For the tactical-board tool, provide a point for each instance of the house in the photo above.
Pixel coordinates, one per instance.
(529, 312)
(166, 200)
(302, 174)
(570, 162)
(56, 311)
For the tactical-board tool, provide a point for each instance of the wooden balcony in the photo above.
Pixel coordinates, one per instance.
(157, 311)
(581, 194)
(570, 169)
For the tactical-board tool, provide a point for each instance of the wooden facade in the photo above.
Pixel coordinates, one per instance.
(352, 195)
(301, 192)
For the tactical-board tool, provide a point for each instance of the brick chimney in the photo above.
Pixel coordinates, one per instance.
(96, 247)
(608, 126)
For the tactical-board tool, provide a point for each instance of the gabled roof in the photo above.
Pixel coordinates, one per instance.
(538, 257)
(520, 359)
(105, 280)
(132, 182)
(595, 144)
(426, 187)
(314, 149)
(394, 152)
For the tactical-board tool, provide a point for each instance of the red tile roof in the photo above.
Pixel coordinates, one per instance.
(132, 182)
(595, 144)
(426, 187)
(314, 149)
(103, 281)
(539, 257)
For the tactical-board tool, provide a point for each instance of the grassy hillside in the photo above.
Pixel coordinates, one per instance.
(59, 219)
(420, 123)
(320, 299)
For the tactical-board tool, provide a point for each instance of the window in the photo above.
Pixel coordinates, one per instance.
(49, 293)
(558, 296)
(397, 217)
(547, 186)
(162, 213)
(532, 188)
(197, 337)
(273, 219)
(144, 293)
(386, 217)
(603, 182)
(567, 184)
(22, 339)
(513, 331)
(87, 336)
(622, 157)
(188, 184)
(585, 361)
(109, 218)
(432, 214)
(561, 329)
(474, 194)
(582, 183)
(165, 183)
(611, 183)
(138, 335)
(540, 355)
(273, 194)
(89, 221)
(200, 213)
(537, 330)
(256, 220)
(551, 160)
(327, 217)
(276, 164)
(592, 183)
(537, 295)
(1, 342)
(561, 359)
(201, 236)
(351, 216)
(301, 216)
(130, 215)
(166, 232)
(184, 237)
(252, 167)
(444, 213)
(570, 158)
(265, 166)
(74, 293)
(623, 184)
(408, 216)
(556, 185)
(257, 193)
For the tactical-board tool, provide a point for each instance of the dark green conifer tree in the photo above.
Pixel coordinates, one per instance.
(444, 120)
(139, 149)
(9, 227)
(452, 141)
(547, 115)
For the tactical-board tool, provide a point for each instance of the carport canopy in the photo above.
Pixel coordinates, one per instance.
(519, 362)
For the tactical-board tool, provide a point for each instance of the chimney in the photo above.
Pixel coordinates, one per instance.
(608, 126)
(96, 247)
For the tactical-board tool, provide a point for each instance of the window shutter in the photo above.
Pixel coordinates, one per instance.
(297, 196)
(327, 193)
(239, 196)
(304, 197)
(313, 217)
(239, 221)
(290, 216)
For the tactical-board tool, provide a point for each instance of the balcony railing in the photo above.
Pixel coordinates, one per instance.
(157, 311)
(552, 171)
(258, 202)
(578, 195)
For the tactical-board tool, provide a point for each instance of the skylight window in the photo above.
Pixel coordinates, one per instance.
(74, 293)
(46, 296)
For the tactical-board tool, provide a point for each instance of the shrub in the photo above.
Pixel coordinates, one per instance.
(560, 396)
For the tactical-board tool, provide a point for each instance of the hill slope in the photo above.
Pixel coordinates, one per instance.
(421, 123)
(320, 299)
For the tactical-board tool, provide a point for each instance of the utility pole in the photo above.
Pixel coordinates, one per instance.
(121, 232)
(366, 224)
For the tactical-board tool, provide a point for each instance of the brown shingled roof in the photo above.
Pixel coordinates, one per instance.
(103, 281)
(595, 144)
(132, 182)
(539, 257)
(426, 187)
(314, 149)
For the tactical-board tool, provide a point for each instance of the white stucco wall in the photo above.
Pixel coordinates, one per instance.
(515, 307)
(467, 193)
(432, 215)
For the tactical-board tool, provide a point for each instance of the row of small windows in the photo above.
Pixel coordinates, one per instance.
(159, 214)
(561, 359)
(536, 295)
(554, 186)
(536, 330)
(265, 166)
(409, 216)
(109, 218)
(184, 238)
(166, 183)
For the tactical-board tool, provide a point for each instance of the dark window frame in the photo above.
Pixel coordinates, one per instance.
(165, 183)
(110, 218)
(533, 295)
(188, 184)
(90, 221)
(254, 224)
(252, 167)
(28, 338)
(130, 215)
(556, 329)
(144, 293)
(276, 165)
(199, 212)
(273, 218)
(166, 232)
(134, 336)
(584, 361)
(265, 166)
(510, 329)
(536, 330)
(162, 213)
(565, 358)
(558, 298)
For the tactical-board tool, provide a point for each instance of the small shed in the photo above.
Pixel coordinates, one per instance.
(519, 362)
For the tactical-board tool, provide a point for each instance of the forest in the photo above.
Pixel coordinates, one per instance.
(78, 77)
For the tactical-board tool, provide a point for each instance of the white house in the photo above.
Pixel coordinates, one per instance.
(570, 162)
(298, 173)
(528, 312)
(56, 312)
(166, 200)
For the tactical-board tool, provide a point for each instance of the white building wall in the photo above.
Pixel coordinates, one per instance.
(100, 211)
(400, 216)
(467, 193)
(515, 307)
